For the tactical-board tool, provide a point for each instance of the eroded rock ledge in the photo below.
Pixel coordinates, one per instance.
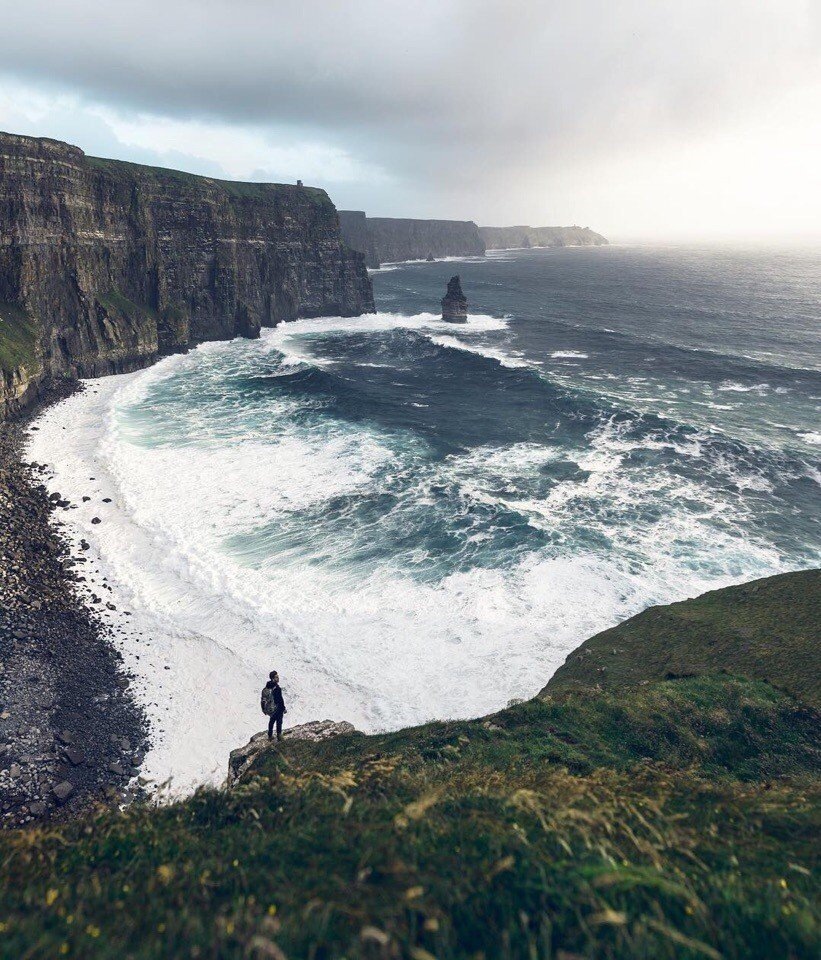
(242, 758)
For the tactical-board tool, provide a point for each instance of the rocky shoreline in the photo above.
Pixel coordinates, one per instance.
(71, 735)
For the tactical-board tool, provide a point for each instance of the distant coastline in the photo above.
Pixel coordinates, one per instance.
(390, 240)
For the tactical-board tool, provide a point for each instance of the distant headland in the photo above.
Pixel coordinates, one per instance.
(393, 239)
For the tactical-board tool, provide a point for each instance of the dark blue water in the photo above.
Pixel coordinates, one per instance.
(428, 517)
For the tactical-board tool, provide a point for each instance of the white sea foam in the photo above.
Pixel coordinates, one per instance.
(811, 436)
(731, 387)
(569, 355)
(492, 353)
(371, 322)
(379, 648)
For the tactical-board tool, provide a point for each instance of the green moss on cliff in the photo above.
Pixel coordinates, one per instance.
(18, 339)
(767, 629)
(116, 302)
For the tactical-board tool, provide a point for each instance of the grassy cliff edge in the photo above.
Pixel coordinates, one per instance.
(667, 818)
(767, 629)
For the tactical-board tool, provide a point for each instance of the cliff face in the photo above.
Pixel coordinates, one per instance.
(396, 239)
(105, 265)
(355, 233)
(388, 239)
(508, 238)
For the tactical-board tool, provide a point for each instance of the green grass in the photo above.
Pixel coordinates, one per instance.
(767, 629)
(637, 817)
(116, 302)
(237, 189)
(676, 820)
(18, 339)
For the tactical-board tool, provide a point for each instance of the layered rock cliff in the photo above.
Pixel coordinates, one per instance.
(389, 239)
(454, 302)
(509, 238)
(356, 234)
(105, 265)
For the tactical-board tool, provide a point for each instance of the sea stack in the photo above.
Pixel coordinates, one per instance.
(454, 303)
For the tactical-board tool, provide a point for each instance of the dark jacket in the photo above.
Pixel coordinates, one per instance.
(279, 703)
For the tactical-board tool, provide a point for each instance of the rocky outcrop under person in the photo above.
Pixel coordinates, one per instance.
(105, 265)
(393, 239)
(242, 758)
(454, 303)
(514, 238)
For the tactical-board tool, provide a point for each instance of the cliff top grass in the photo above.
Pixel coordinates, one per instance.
(235, 188)
(767, 629)
(676, 821)
(18, 338)
(667, 820)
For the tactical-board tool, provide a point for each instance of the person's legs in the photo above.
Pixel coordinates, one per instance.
(271, 726)
(279, 726)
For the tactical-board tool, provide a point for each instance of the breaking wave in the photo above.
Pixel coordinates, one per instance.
(409, 519)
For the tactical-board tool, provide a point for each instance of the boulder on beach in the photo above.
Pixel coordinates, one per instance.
(454, 302)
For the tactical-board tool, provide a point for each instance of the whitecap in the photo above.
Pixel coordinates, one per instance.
(491, 353)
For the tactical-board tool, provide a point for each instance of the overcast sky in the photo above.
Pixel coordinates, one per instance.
(640, 118)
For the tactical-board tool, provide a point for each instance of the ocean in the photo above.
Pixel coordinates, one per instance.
(414, 520)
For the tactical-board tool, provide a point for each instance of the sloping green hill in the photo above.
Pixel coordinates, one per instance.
(671, 819)
(769, 629)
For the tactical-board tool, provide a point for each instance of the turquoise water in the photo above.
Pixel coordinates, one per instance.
(416, 519)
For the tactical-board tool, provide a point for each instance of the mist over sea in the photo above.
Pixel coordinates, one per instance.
(415, 520)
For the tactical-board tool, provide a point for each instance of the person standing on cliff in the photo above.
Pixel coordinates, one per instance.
(273, 704)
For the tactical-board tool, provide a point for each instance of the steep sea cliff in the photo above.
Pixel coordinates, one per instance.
(394, 239)
(523, 237)
(106, 265)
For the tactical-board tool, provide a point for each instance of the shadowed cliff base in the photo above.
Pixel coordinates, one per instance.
(106, 265)
(673, 819)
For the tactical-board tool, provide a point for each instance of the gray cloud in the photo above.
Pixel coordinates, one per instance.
(468, 106)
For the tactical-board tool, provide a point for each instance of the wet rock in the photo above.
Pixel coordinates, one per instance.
(62, 791)
(74, 755)
(454, 303)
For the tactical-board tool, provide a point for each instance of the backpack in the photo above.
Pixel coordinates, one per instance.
(266, 701)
